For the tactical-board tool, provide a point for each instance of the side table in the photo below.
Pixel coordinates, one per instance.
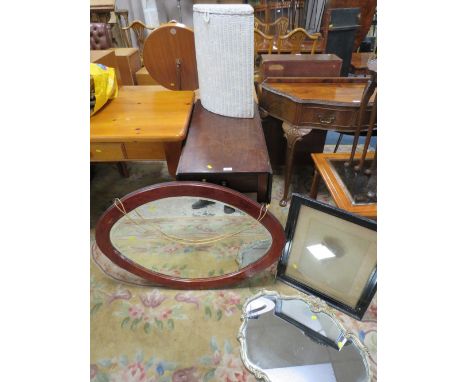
(308, 103)
(351, 190)
(142, 123)
(227, 151)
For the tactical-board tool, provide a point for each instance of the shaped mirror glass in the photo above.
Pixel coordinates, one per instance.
(189, 235)
(291, 338)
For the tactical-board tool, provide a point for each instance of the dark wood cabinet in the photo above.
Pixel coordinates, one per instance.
(304, 65)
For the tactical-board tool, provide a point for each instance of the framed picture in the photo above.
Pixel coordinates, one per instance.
(330, 253)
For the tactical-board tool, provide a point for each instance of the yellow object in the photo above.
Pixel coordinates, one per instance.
(105, 85)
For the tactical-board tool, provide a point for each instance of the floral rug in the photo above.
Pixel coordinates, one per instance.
(148, 334)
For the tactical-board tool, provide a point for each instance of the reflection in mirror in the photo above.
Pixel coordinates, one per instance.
(287, 338)
(189, 237)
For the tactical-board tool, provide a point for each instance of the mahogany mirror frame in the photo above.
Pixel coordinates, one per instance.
(195, 189)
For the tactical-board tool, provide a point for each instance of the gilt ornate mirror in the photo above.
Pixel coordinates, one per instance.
(291, 338)
(189, 235)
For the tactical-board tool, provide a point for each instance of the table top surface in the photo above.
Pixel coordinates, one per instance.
(299, 57)
(102, 4)
(142, 114)
(337, 187)
(218, 144)
(360, 60)
(125, 51)
(164, 47)
(334, 92)
(98, 54)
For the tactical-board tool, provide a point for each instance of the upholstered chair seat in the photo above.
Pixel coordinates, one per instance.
(100, 36)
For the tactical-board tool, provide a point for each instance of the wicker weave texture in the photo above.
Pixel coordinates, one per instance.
(224, 45)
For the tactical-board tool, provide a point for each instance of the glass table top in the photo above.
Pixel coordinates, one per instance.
(361, 188)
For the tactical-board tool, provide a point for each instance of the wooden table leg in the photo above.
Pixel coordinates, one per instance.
(372, 121)
(293, 134)
(315, 183)
(172, 151)
(123, 169)
(373, 166)
(368, 91)
(264, 188)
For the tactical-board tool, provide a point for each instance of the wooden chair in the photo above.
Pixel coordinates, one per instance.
(262, 41)
(139, 29)
(279, 27)
(100, 36)
(351, 182)
(261, 26)
(121, 17)
(359, 66)
(293, 41)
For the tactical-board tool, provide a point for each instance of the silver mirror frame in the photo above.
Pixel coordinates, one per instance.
(316, 306)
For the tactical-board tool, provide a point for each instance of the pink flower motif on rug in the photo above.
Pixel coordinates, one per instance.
(135, 372)
(185, 375)
(136, 311)
(139, 369)
(151, 314)
(119, 294)
(94, 370)
(224, 364)
(226, 302)
(152, 299)
(163, 314)
(216, 303)
(188, 297)
(231, 369)
(150, 318)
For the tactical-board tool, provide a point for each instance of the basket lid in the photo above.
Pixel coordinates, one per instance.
(224, 9)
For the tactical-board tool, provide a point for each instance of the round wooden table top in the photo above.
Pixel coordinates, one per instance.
(169, 57)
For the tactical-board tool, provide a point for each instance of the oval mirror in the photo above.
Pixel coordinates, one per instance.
(189, 235)
(299, 339)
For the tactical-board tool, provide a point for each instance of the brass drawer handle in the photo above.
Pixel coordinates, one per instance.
(326, 120)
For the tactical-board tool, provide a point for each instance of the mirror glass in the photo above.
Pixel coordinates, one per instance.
(189, 237)
(289, 342)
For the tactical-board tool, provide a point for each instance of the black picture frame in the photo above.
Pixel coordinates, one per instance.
(370, 288)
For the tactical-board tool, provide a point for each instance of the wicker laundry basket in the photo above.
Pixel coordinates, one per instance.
(224, 44)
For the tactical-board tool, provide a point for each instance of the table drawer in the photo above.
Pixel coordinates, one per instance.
(242, 182)
(328, 117)
(107, 152)
(145, 151)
